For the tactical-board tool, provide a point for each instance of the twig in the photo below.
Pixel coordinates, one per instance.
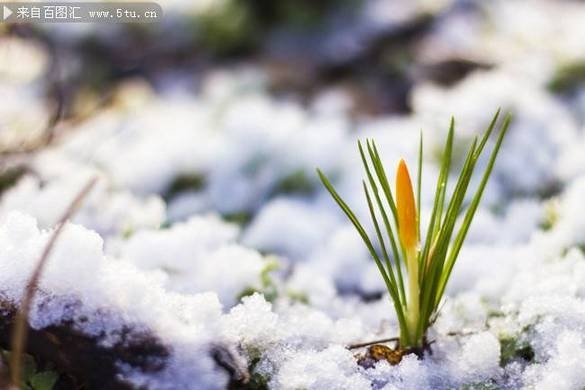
(20, 328)
(361, 345)
(230, 360)
(462, 333)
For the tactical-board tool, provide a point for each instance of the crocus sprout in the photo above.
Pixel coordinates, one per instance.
(406, 210)
(398, 246)
(408, 234)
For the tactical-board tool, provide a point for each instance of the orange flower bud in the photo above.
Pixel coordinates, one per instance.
(406, 208)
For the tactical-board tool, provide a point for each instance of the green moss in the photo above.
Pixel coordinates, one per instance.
(33, 377)
(127, 232)
(248, 291)
(191, 182)
(257, 381)
(493, 313)
(165, 225)
(298, 296)
(567, 78)
(297, 182)
(268, 286)
(241, 218)
(551, 214)
(304, 14)
(9, 177)
(581, 247)
(227, 28)
(512, 348)
(44, 380)
(265, 275)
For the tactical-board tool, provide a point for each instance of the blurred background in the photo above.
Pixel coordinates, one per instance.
(373, 51)
(226, 105)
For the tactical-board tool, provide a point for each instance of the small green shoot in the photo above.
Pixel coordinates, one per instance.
(416, 268)
(268, 286)
(33, 378)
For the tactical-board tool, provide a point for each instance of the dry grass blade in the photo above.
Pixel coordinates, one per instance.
(361, 345)
(19, 333)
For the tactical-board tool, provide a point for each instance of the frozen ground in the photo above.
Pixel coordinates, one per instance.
(208, 227)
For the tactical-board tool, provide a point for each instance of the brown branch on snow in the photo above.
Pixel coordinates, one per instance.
(361, 345)
(20, 329)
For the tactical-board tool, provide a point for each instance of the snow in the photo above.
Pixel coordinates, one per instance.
(108, 211)
(332, 368)
(563, 369)
(282, 219)
(478, 360)
(196, 256)
(101, 295)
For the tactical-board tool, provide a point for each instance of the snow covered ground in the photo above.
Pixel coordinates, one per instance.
(208, 227)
